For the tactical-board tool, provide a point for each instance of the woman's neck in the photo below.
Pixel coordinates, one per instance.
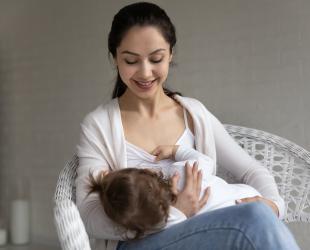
(147, 107)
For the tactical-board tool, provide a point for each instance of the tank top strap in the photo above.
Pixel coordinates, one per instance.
(185, 118)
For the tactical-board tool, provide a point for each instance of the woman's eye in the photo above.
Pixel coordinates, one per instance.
(156, 61)
(130, 62)
(151, 60)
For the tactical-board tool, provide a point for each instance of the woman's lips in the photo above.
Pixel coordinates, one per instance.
(145, 84)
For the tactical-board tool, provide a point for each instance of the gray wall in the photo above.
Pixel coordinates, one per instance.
(246, 61)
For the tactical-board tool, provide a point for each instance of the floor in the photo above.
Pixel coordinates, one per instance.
(30, 247)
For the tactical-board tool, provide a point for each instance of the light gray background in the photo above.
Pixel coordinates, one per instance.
(247, 61)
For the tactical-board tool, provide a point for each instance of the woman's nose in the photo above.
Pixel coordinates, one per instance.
(145, 70)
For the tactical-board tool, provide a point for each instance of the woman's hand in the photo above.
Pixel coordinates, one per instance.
(188, 199)
(262, 199)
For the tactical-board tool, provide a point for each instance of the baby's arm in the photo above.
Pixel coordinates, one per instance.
(188, 154)
(180, 153)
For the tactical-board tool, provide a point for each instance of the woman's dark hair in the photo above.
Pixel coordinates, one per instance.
(136, 199)
(141, 14)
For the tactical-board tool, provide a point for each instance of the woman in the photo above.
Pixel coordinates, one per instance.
(144, 114)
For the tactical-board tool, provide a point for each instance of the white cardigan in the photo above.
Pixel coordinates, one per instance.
(102, 146)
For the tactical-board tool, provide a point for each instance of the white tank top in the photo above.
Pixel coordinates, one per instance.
(138, 157)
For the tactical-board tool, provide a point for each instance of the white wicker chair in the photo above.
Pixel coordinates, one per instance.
(70, 228)
(288, 163)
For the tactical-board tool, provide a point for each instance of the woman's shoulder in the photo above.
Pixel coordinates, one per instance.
(191, 103)
(101, 112)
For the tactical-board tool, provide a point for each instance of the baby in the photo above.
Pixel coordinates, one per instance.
(139, 199)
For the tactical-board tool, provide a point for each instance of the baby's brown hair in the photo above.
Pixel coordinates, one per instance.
(137, 199)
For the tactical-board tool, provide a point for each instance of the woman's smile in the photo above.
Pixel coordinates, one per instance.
(145, 85)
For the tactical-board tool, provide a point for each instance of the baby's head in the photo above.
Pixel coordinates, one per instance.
(136, 199)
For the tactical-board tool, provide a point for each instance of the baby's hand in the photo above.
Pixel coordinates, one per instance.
(165, 152)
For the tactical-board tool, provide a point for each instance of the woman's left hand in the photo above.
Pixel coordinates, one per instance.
(262, 199)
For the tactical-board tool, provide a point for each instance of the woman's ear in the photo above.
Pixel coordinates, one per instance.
(170, 57)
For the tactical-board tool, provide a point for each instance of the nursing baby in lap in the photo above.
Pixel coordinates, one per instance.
(139, 199)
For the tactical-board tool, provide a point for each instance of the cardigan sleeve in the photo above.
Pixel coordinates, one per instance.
(245, 168)
(92, 160)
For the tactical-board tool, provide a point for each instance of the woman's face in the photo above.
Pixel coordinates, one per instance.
(143, 59)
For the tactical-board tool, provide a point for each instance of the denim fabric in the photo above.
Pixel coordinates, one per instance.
(246, 226)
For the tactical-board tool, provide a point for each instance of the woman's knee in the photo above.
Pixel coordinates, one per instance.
(259, 216)
(260, 224)
(257, 211)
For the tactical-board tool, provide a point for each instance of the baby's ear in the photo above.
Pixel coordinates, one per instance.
(104, 173)
(101, 176)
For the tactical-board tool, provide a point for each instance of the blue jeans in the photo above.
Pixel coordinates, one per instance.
(246, 226)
